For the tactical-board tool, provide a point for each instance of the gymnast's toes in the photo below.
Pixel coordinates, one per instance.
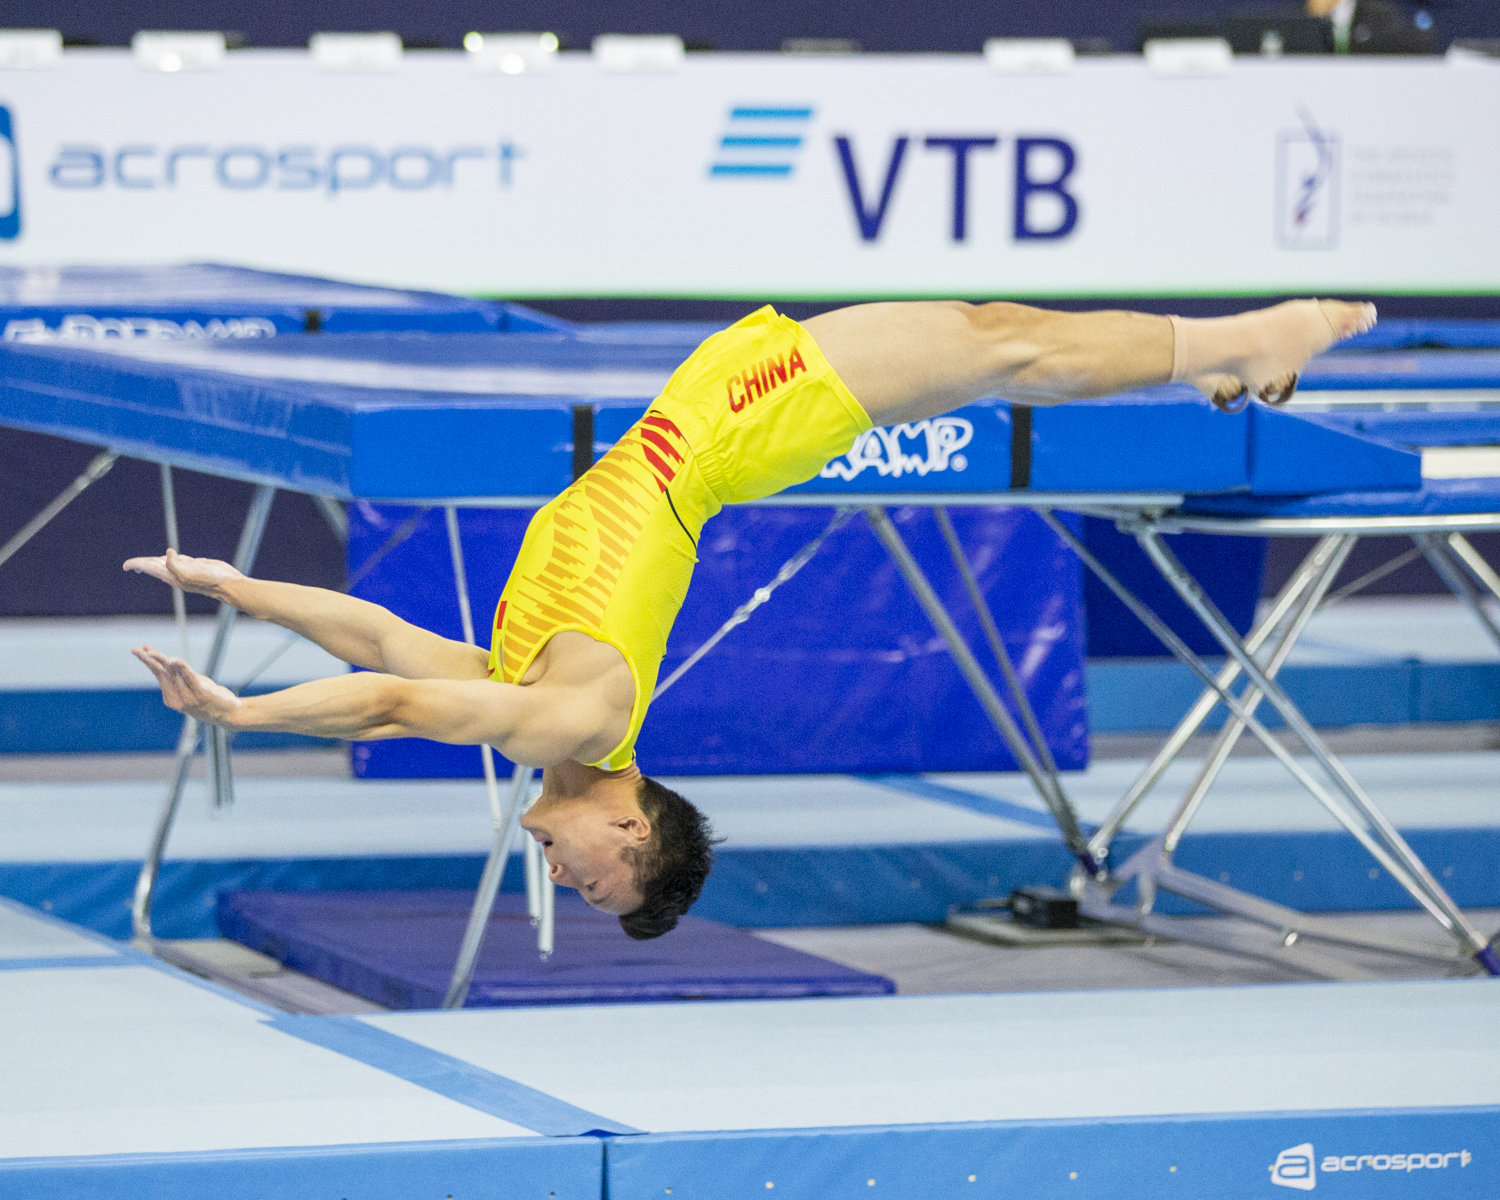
(1227, 392)
(1347, 318)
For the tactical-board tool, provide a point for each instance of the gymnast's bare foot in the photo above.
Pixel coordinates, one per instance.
(1260, 353)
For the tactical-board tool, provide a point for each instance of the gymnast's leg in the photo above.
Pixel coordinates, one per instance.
(906, 361)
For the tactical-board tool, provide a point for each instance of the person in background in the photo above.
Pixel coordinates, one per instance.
(1373, 27)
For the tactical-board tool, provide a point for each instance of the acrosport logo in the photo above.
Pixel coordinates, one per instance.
(1295, 1166)
(10, 180)
(246, 167)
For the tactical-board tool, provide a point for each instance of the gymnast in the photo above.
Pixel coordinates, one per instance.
(582, 625)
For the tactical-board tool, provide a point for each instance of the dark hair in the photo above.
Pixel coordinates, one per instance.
(670, 868)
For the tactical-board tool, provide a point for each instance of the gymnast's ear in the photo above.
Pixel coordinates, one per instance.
(635, 826)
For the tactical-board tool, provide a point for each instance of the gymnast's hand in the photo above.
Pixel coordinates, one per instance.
(183, 689)
(202, 575)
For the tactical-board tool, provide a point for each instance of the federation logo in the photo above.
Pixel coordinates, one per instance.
(1294, 1168)
(10, 180)
(1307, 188)
(762, 141)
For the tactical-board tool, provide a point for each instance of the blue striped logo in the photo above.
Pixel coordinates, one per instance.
(10, 181)
(760, 142)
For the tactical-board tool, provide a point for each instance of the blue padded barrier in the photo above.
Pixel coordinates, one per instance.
(833, 647)
(1415, 427)
(799, 885)
(100, 721)
(1167, 438)
(1290, 455)
(1145, 1158)
(1437, 369)
(562, 1168)
(1230, 570)
(1437, 497)
(1431, 423)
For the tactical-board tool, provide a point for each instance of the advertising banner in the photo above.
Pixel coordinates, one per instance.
(765, 175)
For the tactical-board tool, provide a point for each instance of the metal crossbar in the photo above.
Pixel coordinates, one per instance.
(97, 469)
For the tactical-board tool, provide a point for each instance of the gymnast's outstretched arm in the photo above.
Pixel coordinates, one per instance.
(538, 725)
(350, 629)
(908, 360)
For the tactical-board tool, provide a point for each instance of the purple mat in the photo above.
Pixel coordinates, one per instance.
(398, 949)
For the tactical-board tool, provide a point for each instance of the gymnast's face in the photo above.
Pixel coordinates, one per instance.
(585, 834)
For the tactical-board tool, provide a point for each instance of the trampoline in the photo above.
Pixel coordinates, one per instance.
(414, 417)
(198, 301)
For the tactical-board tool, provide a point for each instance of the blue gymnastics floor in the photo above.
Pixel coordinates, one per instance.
(124, 1077)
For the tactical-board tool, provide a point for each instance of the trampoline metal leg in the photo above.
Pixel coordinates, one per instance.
(169, 511)
(333, 513)
(1464, 549)
(546, 930)
(1293, 590)
(1251, 697)
(1412, 873)
(531, 859)
(1180, 649)
(997, 648)
(466, 617)
(244, 561)
(489, 885)
(1437, 552)
(96, 470)
(504, 821)
(984, 691)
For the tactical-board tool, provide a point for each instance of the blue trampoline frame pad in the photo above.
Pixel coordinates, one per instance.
(214, 301)
(472, 416)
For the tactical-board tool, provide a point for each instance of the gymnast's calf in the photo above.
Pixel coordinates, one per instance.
(582, 625)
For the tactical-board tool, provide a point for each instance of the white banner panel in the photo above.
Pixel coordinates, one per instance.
(751, 175)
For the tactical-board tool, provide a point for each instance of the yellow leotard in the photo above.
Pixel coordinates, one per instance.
(755, 409)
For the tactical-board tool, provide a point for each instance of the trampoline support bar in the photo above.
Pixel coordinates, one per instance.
(244, 561)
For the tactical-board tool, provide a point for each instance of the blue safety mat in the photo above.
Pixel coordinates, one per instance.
(1437, 497)
(208, 300)
(397, 416)
(1435, 369)
(1426, 335)
(398, 950)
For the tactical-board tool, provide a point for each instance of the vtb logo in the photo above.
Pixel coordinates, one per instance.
(10, 180)
(1294, 1168)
